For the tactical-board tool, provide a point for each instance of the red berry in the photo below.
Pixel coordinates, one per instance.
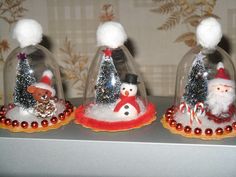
(61, 116)
(44, 123)
(8, 122)
(198, 131)
(34, 124)
(15, 123)
(54, 120)
(234, 125)
(179, 127)
(219, 131)
(228, 129)
(24, 124)
(208, 132)
(173, 123)
(2, 120)
(187, 129)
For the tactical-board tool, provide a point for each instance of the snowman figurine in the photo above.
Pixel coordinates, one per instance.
(127, 105)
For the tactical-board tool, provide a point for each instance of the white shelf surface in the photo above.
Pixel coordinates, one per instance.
(149, 151)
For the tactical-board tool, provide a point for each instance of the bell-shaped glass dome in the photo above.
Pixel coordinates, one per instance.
(194, 71)
(204, 104)
(111, 73)
(115, 96)
(38, 59)
(33, 94)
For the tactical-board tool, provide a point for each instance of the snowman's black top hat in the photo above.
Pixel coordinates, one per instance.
(131, 79)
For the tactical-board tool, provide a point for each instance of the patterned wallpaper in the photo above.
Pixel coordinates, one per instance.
(70, 28)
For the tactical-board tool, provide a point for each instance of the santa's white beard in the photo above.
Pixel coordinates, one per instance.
(219, 102)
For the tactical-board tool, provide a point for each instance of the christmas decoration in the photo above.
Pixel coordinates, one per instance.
(127, 106)
(196, 88)
(204, 104)
(28, 32)
(110, 105)
(24, 78)
(108, 82)
(42, 92)
(33, 94)
(209, 33)
(221, 95)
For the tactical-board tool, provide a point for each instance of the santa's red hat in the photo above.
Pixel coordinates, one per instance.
(221, 77)
(46, 81)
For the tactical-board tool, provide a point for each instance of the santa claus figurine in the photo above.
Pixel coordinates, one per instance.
(127, 105)
(221, 95)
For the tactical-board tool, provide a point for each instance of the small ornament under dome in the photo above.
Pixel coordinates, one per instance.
(115, 97)
(204, 105)
(33, 94)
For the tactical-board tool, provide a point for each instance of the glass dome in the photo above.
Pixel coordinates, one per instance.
(204, 103)
(39, 59)
(33, 94)
(115, 96)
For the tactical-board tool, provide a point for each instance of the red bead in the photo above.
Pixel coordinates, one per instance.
(234, 125)
(10, 106)
(70, 110)
(24, 124)
(2, 113)
(168, 115)
(219, 131)
(187, 129)
(61, 116)
(173, 123)
(208, 131)
(44, 123)
(170, 111)
(67, 103)
(2, 120)
(8, 122)
(15, 123)
(54, 120)
(34, 124)
(179, 127)
(198, 131)
(3, 108)
(66, 112)
(168, 119)
(228, 129)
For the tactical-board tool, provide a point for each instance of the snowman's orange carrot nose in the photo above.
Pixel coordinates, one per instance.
(126, 93)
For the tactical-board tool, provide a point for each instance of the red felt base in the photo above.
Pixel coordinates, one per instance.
(98, 125)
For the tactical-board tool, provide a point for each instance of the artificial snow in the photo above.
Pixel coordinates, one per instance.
(111, 34)
(209, 33)
(104, 112)
(17, 113)
(28, 32)
(184, 119)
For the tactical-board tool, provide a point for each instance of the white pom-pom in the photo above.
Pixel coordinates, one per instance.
(209, 33)
(220, 65)
(111, 34)
(28, 32)
(48, 73)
